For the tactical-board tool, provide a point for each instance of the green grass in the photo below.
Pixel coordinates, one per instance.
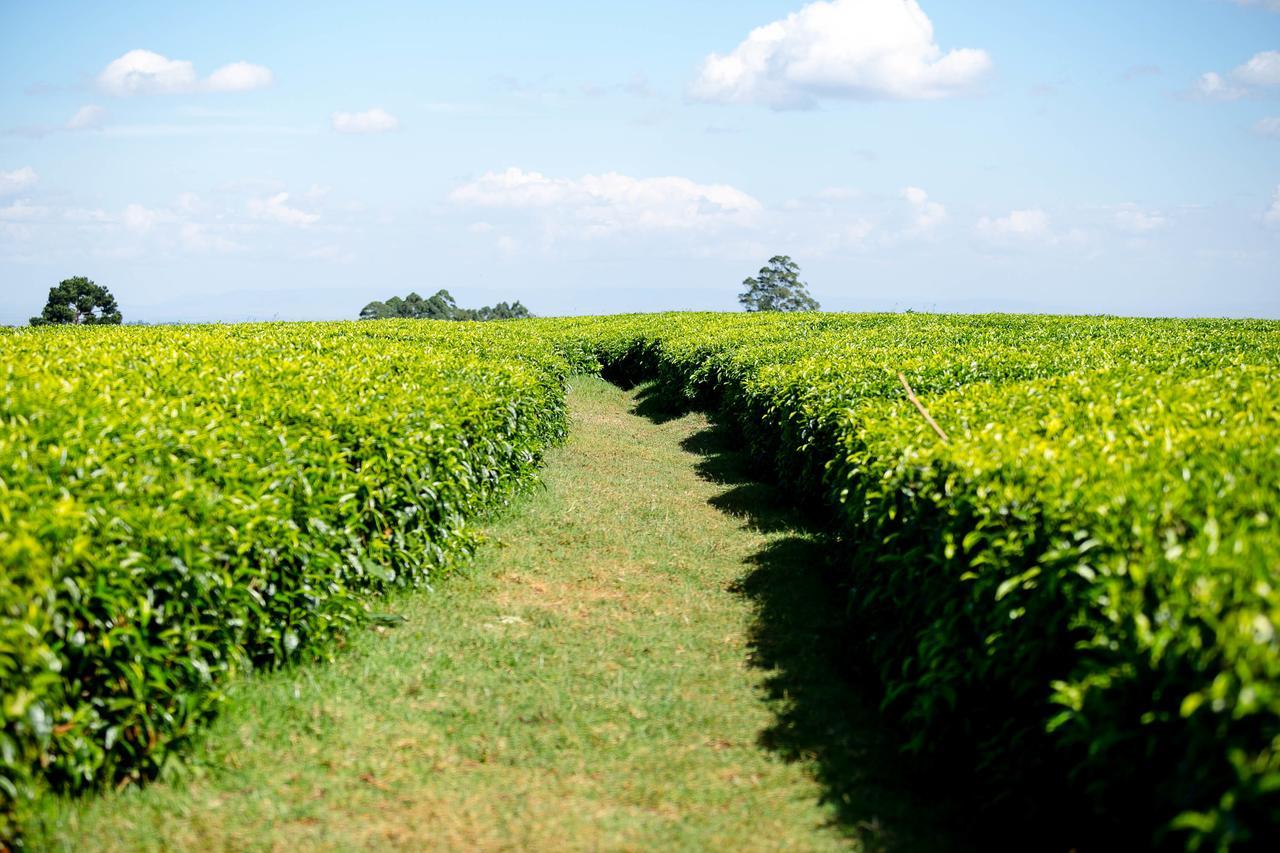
(632, 663)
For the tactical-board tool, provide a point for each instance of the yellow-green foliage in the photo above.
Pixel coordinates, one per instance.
(178, 504)
(1078, 592)
(1081, 589)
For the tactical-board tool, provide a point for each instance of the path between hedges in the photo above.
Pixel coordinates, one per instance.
(629, 666)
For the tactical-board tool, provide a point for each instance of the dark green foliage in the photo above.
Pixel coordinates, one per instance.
(79, 301)
(441, 306)
(777, 287)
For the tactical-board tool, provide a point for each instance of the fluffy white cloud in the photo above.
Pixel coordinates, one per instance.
(376, 120)
(861, 49)
(87, 118)
(613, 202)
(1262, 71)
(276, 209)
(239, 77)
(18, 180)
(928, 214)
(1023, 224)
(1272, 216)
(145, 72)
(1137, 221)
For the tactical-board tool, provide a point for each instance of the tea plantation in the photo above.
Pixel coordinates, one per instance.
(1065, 578)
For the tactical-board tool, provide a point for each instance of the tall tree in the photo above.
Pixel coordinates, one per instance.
(777, 287)
(78, 301)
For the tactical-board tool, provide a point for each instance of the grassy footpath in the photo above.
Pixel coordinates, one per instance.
(628, 666)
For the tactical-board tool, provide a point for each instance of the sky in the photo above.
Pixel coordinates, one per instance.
(240, 161)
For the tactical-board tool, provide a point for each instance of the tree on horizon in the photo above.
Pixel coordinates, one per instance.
(79, 302)
(777, 287)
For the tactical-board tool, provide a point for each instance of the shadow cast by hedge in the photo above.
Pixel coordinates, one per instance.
(823, 716)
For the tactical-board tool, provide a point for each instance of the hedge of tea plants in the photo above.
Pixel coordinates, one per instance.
(1072, 590)
(181, 504)
(1076, 591)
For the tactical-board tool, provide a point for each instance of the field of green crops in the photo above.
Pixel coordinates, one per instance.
(1075, 592)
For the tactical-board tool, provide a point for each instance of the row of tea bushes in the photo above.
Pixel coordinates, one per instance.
(1075, 593)
(179, 504)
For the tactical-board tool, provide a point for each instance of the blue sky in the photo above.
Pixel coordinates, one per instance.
(237, 161)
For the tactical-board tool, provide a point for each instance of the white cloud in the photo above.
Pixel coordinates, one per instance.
(613, 202)
(1213, 86)
(860, 49)
(275, 209)
(12, 183)
(479, 227)
(20, 211)
(376, 120)
(139, 219)
(239, 77)
(87, 118)
(1268, 126)
(1023, 224)
(145, 72)
(1137, 221)
(1272, 216)
(1262, 71)
(928, 213)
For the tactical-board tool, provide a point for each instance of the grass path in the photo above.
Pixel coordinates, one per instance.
(628, 666)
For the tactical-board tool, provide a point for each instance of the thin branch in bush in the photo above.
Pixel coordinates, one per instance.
(911, 395)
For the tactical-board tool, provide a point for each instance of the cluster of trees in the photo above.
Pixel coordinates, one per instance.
(441, 306)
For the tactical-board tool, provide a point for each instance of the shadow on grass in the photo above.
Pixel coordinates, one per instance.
(656, 405)
(823, 716)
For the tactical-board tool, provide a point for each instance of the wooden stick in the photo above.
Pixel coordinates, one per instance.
(911, 395)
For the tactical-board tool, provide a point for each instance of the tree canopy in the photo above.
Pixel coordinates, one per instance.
(441, 306)
(78, 301)
(777, 287)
